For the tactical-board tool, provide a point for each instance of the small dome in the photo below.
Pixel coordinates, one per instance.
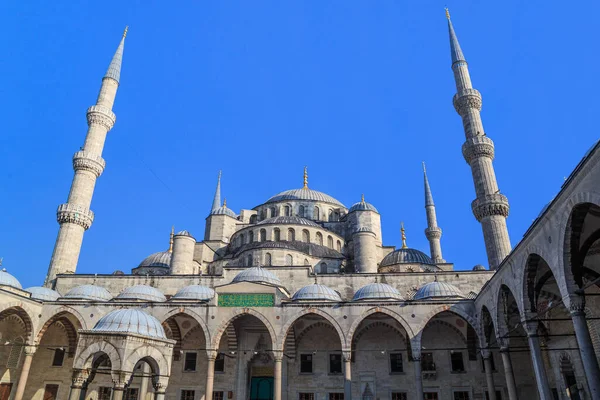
(88, 292)
(282, 220)
(161, 259)
(479, 267)
(316, 292)
(436, 290)
(377, 291)
(257, 274)
(194, 292)
(304, 194)
(406, 256)
(184, 233)
(362, 206)
(7, 279)
(141, 292)
(131, 321)
(43, 293)
(223, 210)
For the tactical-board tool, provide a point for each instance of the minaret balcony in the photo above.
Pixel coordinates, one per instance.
(490, 205)
(75, 214)
(101, 115)
(467, 99)
(86, 161)
(478, 146)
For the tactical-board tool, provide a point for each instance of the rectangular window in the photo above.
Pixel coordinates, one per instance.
(461, 395)
(187, 395)
(51, 392)
(335, 363)
(399, 396)
(131, 394)
(336, 396)
(458, 365)
(396, 363)
(427, 363)
(59, 357)
(306, 363)
(498, 395)
(430, 396)
(220, 363)
(104, 393)
(190, 362)
(306, 396)
(218, 395)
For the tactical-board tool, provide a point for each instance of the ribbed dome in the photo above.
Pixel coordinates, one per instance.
(316, 292)
(141, 292)
(131, 321)
(288, 221)
(43, 293)
(257, 274)
(406, 256)
(161, 259)
(194, 292)
(362, 206)
(437, 290)
(184, 233)
(479, 267)
(304, 194)
(377, 291)
(88, 292)
(7, 279)
(223, 210)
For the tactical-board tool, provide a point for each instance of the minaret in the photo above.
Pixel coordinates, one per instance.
(75, 216)
(433, 232)
(217, 200)
(490, 207)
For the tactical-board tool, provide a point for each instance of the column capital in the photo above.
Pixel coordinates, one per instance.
(486, 353)
(347, 355)
(80, 377)
(30, 350)
(160, 383)
(120, 379)
(212, 354)
(277, 355)
(577, 305)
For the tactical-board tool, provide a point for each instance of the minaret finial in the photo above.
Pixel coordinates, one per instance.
(225, 202)
(447, 13)
(403, 233)
(171, 239)
(217, 199)
(362, 198)
(455, 50)
(305, 178)
(125, 32)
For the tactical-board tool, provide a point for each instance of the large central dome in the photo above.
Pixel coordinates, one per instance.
(304, 194)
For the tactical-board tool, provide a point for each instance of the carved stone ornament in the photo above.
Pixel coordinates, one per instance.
(577, 306)
(86, 161)
(101, 115)
(465, 100)
(478, 146)
(433, 233)
(75, 214)
(79, 378)
(489, 205)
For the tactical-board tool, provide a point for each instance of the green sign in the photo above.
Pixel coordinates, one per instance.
(246, 300)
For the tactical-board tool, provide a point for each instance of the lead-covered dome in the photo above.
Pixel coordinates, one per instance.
(304, 194)
(258, 275)
(194, 292)
(130, 321)
(141, 292)
(406, 256)
(223, 210)
(7, 279)
(316, 292)
(379, 291)
(288, 220)
(437, 290)
(88, 292)
(362, 205)
(161, 259)
(43, 293)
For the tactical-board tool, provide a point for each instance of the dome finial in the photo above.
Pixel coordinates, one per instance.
(362, 198)
(225, 202)
(305, 178)
(403, 233)
(171, 239)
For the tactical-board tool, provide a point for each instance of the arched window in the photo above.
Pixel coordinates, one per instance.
(262, 214)
(330, 215)
(253, 219)
(317, 214)
(249, 260)
(330, 242)
(323, 268)
(291, 235)
(289, 260)
(319, 239)
(273, 212)
(339, 246)
(263, 235)
(305, 236)
(306, 262)
(250, 236)
(267, 259)
(242, 239)
(287, 210)
(277, 234)
(301, 211)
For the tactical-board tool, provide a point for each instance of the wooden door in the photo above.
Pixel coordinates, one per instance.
(50, 392)
(5, 389)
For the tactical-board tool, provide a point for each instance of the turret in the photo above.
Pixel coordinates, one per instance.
(365, 223)
(490, 207)
(182, 260)
(75, 216)
(432, 232)
(221, 222)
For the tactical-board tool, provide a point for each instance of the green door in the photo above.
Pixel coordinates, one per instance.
(261, 389)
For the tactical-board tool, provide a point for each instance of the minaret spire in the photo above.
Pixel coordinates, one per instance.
(432, 232)
(75, 216)
(217, 200)
(490, 206)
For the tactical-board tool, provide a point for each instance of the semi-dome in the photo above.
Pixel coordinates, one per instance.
(316, 292)
(304, 194)
(223, 210)
(141, 292)
(43, 293)
(362, 206)
(161, 259)
(131, 321)
(7, 279)
(257, 274)
(437, 290)
(88, 292)
(380, 291)
(194, 292)
(291, 220)
(406, 255)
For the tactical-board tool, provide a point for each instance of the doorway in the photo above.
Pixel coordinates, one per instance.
(261, 388)
(5, 389)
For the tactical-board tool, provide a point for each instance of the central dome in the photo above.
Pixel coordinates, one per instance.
(304, 194)
(406, 256)
(283, 220)
(131, 321)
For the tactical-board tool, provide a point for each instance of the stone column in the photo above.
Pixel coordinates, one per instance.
(79, 381)
(210, 374)
(347, 375)
(278, 356)
(160, 387)
(536, 359)
(29, 352)
(118, 392)
(508, 373)
(586, 348)
(145, 381)
(418, 377)
(489, 378)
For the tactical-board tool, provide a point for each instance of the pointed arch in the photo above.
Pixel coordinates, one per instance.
(190, 313)
(453, 309)
(23, 312)
(306, 311)
(238, 313)
(382, 310)
(84, 359)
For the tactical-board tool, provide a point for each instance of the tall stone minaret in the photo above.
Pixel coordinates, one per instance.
(75, 216)
(433, 232)
(490, 207)
(217, 199)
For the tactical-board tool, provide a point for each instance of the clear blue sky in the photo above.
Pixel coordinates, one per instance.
(360, 91)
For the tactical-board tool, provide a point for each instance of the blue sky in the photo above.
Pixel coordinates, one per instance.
(360, 91)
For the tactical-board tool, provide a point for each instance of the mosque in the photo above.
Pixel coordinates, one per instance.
(298, 298)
